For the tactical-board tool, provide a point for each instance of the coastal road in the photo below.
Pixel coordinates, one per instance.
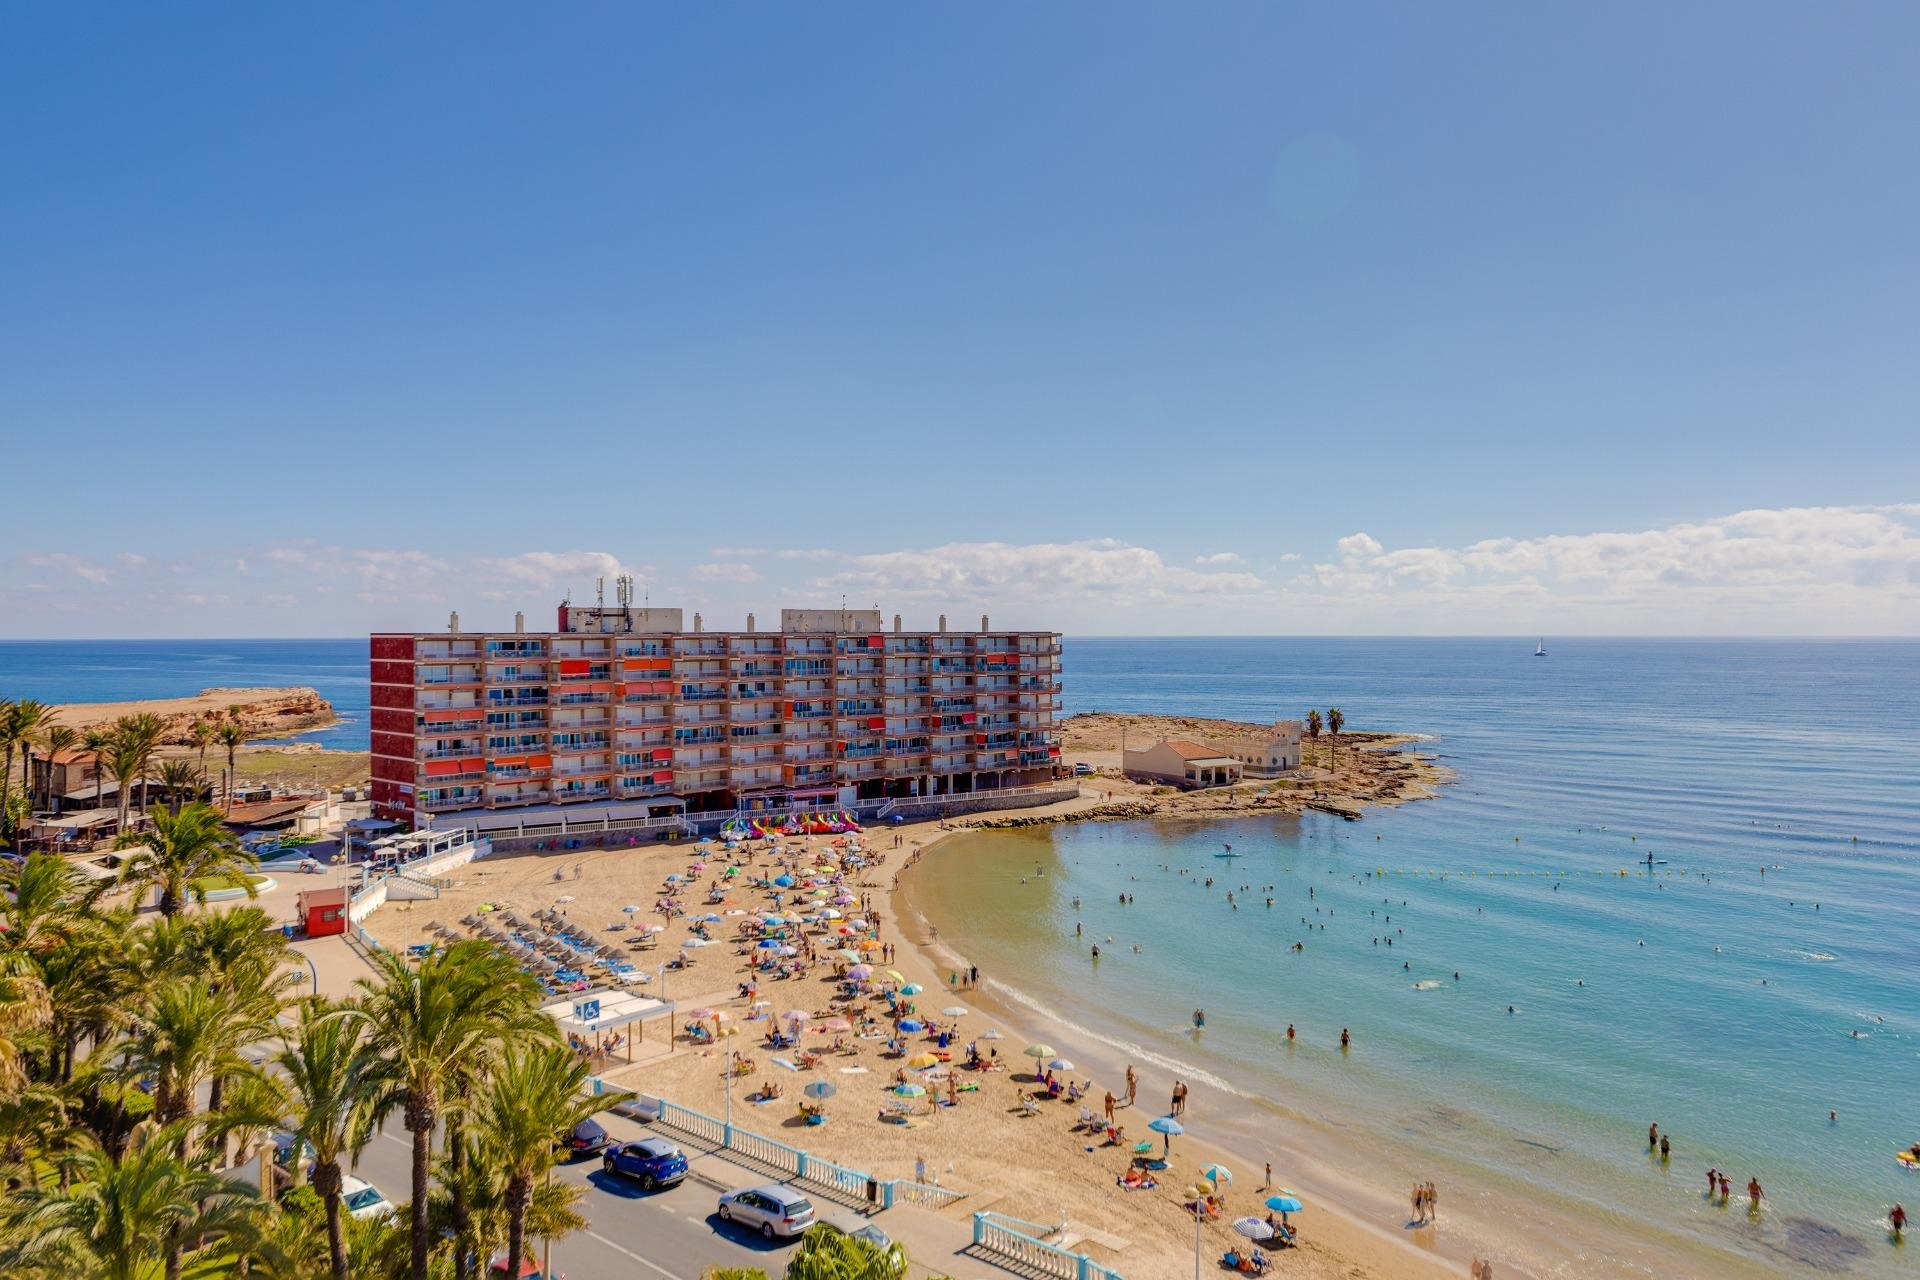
(672, 1235)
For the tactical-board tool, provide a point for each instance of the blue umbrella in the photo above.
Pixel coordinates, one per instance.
(1166, 1127)
(784, 881)
(768, 943)
(912, 1024)
(1284, 1203)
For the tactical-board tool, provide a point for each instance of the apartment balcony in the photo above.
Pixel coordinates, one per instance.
(581, 746)
(455, 680)
(641, 649)
(443, 728)
(688, 781)
(582, 700)
(446, 651)
(516, 679)
(517, 773)
(507, 650)
(465, 749)
(821, 776)
(699, 715)
(637, 788)
(634, 699)
(952, 762)
(801, 712)
(441, 804)
(864, 752)
(648, 716)
(807, 668)
(757, 777)
(507, 799)
(515, 722)
(571, 795)
(854, 770)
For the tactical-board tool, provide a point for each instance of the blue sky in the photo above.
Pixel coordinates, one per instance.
(1128, 318)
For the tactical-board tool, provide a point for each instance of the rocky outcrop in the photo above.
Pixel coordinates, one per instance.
(263, 713)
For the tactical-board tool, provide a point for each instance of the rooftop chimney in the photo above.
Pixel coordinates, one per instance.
(519, 622)
(983, 622)
(749, 624)
(896, 624)
(697, 625)
(453, 622)
(943, 624)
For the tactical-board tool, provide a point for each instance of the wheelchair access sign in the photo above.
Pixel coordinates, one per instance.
(587, 1010)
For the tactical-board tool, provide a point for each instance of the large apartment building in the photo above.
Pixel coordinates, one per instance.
(626, 709)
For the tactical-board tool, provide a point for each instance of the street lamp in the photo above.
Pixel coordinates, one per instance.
(405, 908)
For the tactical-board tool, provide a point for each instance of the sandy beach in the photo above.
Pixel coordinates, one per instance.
(1037, 1164)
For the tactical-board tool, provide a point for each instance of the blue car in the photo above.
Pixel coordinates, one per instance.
(652, 1162)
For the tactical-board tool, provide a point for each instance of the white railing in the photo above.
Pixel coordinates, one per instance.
(1008, 1237)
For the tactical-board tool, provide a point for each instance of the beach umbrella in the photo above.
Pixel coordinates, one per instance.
(912, 989)
(1284, 1202)
(825, 1089)
(704, 1013)
(773, 921)
(919, 1060)
(845, 899)
(697, 942)
(782, 1062)
(784, 881)
(859, 923)
(709, 918)
(788, 951)
(1040, 1051)
(1217, 1173)
(828, 913)
(954, 1011)
(630, 909)
(1253, 1228)
(859, 971)
(767, 944)
(1166, 1127)
(653, 928)
(895, 975)
(565, 897)
(1059, 1064)
(912, 1024)
(909, 1090)
(795, 1015)
(836, 1024)
(993, 1033)
(676, 879)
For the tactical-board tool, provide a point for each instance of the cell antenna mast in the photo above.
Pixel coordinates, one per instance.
(623, 591)
(600, 592)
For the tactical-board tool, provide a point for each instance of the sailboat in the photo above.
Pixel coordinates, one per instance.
(1540, 651)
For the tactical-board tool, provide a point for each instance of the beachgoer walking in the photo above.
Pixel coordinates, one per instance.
(1653, 1135)
(1666, 1148)
(1419, 1203)
(1754, 1194)
(1108, 1106)
(1726, 1188)
(1133, 1083)
(1433, 1202)
(1713, 1179)
(1179, 1097)
(1289, 1033)
(973, 975)
(1268, 1184)
(1898, 1218)
(920, 1170)
(1344, 1038)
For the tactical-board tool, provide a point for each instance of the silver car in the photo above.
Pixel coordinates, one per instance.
(772, 1210)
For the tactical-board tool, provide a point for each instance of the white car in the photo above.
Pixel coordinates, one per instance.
(771, 1210)
(361, 1199)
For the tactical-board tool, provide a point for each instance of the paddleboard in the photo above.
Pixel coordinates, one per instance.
(1907, 1159)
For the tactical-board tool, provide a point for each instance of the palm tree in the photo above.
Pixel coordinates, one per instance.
(828, 1253)
(430, 1025)
(202, 736)
(96, 741)
(181, 852)
(145, 731)
(479, 1181)
(1336, 720)
(1313, 727)
(19, 723)
(55, 742)
(130, 1219)
(230, 735)
(532, 1097)
(177, 779)
(24, 1007)
(325, 1062)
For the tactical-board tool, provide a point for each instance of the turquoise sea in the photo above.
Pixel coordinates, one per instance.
(1736, 1008)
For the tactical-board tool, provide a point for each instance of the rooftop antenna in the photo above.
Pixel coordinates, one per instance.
(623, 591)
(600, 592)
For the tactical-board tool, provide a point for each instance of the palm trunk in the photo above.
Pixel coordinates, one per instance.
(455, 1147)
(519, 1195)
(419, 1122)
(6, 788)
(326, 1180)
(231, 779)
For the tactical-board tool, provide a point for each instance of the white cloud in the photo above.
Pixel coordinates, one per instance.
(727, 572)
(1219, 557)
(737, 553)
(806, 553)
(1289, 557)
(60, 562)
(1357, 545)
(981, 572)
(552, 570)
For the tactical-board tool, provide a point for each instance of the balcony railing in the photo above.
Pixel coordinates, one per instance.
(500, 799)
(568, 796)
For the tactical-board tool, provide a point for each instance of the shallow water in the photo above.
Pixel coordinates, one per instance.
(1719, 758)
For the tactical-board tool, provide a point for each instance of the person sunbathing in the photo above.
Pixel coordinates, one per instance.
(1136, 1179)
(1116, 1134)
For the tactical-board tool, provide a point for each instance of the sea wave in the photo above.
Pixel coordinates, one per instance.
(1170, 1064)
